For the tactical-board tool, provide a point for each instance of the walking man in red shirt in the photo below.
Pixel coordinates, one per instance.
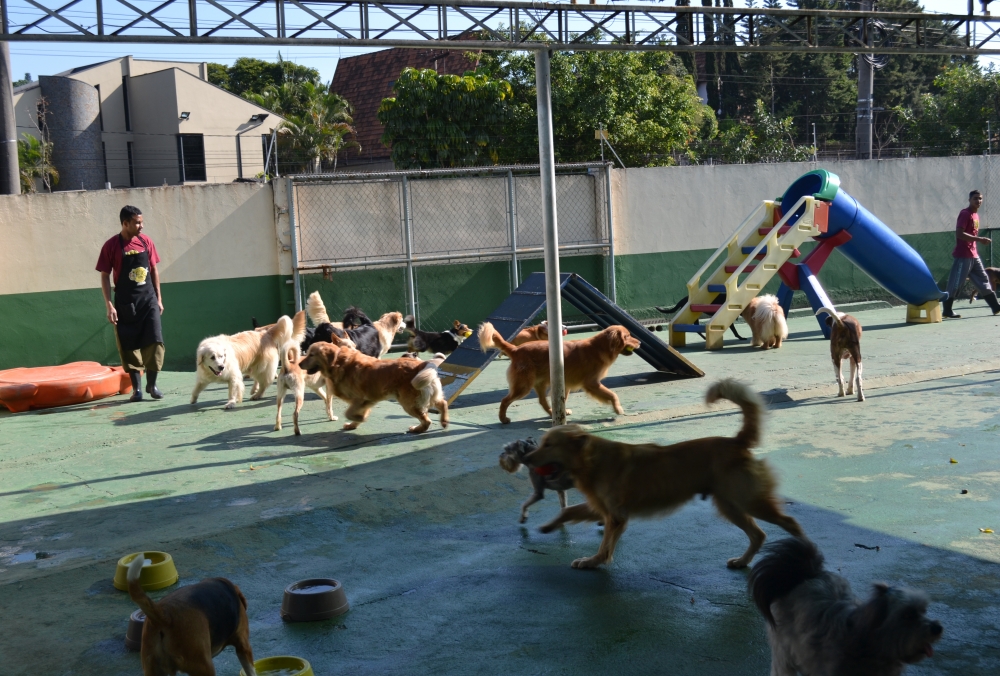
(131, 259)
(967, 263)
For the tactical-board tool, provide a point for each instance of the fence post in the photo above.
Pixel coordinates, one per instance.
(512, 213)
(611, 232)
(408, 238)
(290, 196)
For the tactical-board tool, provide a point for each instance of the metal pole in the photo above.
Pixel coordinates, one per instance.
(290, 196)
(408, 240)
(815, 146)
(611, 233)
(553, 299)
(866, 77)
(512, 211)
(10, 179)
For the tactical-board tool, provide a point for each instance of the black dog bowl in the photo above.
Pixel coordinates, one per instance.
(311, 600)
(133, 635)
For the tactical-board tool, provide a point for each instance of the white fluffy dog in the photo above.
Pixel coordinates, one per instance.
(766, 320)
(225, 359)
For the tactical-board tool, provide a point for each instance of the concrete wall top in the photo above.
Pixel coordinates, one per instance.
(697, 207)
(204, 232)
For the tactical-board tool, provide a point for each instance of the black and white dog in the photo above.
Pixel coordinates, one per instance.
(541, 477)
(444, 342)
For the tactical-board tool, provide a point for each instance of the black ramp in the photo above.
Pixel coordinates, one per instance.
(522, 306)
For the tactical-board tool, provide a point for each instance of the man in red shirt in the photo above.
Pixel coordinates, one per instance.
(967, 263)
(130, 257)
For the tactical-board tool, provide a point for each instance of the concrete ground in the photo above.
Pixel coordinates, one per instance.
(423, 531)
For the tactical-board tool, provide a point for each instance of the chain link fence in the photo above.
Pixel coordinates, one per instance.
(443, 244)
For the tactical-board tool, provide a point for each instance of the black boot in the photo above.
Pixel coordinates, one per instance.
(948, 314)
(991, 299)
(151, 388)
(136, 379)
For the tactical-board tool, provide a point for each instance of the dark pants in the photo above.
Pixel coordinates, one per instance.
(149, 357)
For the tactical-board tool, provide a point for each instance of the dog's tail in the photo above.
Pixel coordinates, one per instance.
(786, 564)
(746, 399)
(431, 393)
(291, 353)
(138, 594)
(299, 326)
(833, 314)
(411, 324)
(490, 339)
(282, 331)
(316, 309)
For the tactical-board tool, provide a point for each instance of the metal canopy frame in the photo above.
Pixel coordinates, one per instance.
(487, 24)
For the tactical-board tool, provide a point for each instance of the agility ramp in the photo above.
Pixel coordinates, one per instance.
(521, 307)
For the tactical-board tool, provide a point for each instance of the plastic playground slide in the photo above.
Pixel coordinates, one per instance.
(873, 247)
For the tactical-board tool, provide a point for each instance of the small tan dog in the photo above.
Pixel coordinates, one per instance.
(766, 320)
(845, 341)
(293, 378)
(621, 481)
(586, 362)
(532, 333)
(363, 381)
(190, 626)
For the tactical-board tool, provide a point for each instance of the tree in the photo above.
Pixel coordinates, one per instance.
(252, 76)
(761, 138)
(438, 121)
(34, 159)
(646, 101)
(952, 120)
(26, 80)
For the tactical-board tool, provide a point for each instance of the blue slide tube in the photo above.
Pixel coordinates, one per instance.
(874, 248)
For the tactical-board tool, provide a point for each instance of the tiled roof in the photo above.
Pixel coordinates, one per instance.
(366, 79)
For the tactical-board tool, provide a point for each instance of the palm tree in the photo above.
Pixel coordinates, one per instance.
(34, 157)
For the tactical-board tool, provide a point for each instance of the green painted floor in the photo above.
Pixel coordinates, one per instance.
(423, 531)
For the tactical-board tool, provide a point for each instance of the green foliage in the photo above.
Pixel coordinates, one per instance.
(952, 120)
(436, 121)
(761, 138)
(252, 76)
(34, 159)
(27, 79)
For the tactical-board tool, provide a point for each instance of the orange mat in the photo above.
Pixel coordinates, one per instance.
(48, 386)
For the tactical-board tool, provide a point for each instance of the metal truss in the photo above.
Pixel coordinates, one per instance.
(487, 24)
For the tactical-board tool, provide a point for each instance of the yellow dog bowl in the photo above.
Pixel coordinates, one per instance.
(281, 666)
(160, 572)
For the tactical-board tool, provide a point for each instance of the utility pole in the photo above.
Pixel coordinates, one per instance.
(10, 181)
(866, 81)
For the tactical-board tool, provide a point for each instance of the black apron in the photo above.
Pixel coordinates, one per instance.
(135, 301)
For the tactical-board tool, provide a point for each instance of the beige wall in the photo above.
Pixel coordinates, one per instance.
(682, 208)
(51, 242)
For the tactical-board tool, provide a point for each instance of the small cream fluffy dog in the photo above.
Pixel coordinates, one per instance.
(766, 320)
(224, 359)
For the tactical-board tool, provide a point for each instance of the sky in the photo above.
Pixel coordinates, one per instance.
(50, 58)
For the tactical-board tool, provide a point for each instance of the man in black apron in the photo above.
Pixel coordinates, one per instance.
(135, 312)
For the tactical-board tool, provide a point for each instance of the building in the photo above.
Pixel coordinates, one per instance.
(133, 123)
(366, 79)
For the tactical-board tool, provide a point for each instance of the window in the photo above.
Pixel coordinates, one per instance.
(104, 156)
(100, 107)
(131, 167)
(191, 157)
(128, 118)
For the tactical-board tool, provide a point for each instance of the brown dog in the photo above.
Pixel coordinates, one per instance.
(845, 341)
(586, 362)
(766, 320)
(363, 381)
(621, 481)
(191, 625)
(532, 333)
(993, 274)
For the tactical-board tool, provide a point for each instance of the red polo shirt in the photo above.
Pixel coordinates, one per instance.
(110, 259)
(967, 222)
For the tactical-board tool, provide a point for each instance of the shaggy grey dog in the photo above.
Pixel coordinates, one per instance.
(816, 627)
(511, 460)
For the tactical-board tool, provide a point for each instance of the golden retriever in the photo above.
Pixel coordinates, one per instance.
(766, 320)
(621, 481)
(363, 381)
(532, 333)
(227, 358)
(586, 362)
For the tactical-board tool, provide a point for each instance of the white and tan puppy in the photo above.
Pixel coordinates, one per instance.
(225, 359)
(766, 320)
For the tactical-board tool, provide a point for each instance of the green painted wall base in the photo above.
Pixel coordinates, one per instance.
(40, 329)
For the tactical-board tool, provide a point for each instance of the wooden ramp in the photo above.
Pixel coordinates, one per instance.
(522, 306)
